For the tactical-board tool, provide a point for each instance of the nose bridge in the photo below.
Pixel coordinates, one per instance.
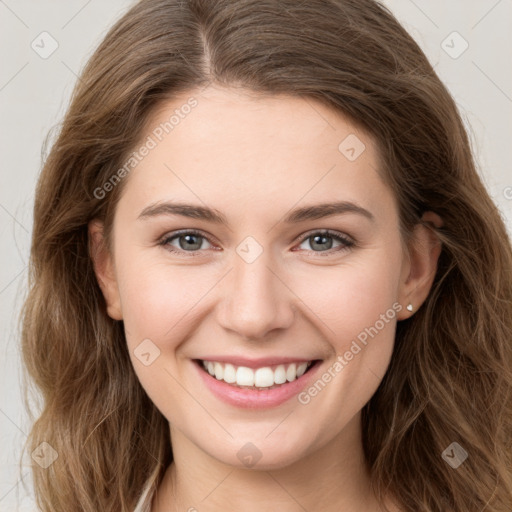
(255, 301)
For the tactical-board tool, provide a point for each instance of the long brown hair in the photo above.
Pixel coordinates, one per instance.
(450, 376)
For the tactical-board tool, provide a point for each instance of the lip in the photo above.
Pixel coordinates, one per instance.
(255, 363)
(255, 399)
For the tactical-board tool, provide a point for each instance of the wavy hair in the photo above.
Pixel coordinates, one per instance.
(450, 376)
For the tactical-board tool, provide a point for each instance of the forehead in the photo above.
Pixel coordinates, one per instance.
(235, 145)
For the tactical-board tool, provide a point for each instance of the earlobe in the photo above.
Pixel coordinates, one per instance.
(104, 269)
(423, 255)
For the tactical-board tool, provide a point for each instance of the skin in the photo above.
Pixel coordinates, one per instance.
(254, 159)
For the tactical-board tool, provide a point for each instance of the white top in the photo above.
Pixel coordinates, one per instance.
(144, 503)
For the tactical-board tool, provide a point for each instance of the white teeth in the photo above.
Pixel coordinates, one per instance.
(229, 373)
(280, 374)
(265, 377)
(301, 369)
(244, 376)
(291, 372)
(219, 371)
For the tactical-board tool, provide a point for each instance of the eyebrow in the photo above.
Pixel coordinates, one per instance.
(313, 212)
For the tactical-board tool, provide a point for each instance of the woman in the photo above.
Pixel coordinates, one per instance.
(266, 275)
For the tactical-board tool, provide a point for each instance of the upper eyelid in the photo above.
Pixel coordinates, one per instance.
(174, 234)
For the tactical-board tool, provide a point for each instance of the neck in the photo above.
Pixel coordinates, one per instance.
(332, 478)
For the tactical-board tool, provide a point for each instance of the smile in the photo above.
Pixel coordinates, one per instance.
(259, 387)
(267, 377)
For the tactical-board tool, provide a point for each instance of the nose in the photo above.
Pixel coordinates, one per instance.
(255, 299)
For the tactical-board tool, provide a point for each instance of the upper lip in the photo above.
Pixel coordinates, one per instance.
(256, 363)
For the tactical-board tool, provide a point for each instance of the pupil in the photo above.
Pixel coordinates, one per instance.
(323, 238)
(197, 245)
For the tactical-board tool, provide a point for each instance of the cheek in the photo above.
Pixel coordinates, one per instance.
(352, 296)
(158, 305)
(360, 308)
(157, 299)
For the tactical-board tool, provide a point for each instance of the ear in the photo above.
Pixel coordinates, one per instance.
(104, 269)
(420, 265)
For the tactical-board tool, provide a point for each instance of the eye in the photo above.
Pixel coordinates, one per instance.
(322, 240)
(191, 241)
(188, 241)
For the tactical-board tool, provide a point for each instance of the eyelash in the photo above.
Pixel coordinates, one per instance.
(347, 242)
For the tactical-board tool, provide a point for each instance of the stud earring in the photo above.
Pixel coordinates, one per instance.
(409, 307)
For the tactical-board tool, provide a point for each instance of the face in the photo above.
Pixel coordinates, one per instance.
(271, 282)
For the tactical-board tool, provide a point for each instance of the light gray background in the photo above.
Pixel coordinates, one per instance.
(34, 93)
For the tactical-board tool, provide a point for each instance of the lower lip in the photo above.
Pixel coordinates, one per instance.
(253, 398)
